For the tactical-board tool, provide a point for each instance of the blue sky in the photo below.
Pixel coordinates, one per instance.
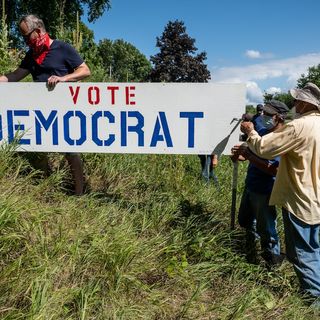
(266, 44)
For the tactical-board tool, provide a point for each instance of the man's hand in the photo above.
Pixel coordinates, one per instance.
(246, 127)
(241, 152)
(53, 80)
(3, 79)
(78, 74)
(214, 160)
(236, 153)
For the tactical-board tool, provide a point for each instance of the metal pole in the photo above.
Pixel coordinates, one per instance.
(234, 194)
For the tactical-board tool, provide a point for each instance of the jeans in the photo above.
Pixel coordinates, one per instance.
(260, 220)
(207, 169)
(303, 251)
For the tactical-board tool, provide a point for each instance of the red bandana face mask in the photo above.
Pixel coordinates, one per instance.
(40, 47)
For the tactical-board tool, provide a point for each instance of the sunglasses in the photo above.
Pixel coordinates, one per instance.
(26, 37)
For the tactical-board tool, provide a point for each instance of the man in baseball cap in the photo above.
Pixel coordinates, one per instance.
(259, 108)
(255, 214)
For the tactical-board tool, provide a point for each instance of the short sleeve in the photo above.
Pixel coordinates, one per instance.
(72, 56)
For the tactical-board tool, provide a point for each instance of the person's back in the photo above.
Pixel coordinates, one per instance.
(300, 185)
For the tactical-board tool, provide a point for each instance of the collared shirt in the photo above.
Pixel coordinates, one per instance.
(297, 185)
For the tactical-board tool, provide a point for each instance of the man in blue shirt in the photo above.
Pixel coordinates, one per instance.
(255, 214)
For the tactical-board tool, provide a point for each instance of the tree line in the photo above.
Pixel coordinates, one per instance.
(114, 60)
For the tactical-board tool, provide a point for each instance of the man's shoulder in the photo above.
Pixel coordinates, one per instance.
(304, 123)
(305, 119)
(61, 44)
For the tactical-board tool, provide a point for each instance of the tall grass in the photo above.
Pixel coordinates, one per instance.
(148, 240)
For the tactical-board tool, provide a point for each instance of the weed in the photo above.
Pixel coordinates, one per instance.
(148, 240)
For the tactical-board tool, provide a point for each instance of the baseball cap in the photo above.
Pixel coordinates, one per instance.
(275, 107)
(259, 107)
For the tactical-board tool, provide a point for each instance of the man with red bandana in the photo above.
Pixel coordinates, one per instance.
(50, 61)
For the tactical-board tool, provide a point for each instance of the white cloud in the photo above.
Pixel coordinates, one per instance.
(253, 54)
(289, 69)
(273, 90)
(254, 93)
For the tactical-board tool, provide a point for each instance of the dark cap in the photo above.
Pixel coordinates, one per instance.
(275, 107)
(259, 107)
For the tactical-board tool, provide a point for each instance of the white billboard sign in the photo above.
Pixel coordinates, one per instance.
(171, 118)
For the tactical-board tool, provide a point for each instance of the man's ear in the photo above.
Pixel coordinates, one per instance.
(280, 118)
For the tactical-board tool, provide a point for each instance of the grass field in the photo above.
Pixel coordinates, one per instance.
(148, 240)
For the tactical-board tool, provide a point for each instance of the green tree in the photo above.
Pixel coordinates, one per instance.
(8, 57)
(177, 60)
(312, 76)
(284, 97)
(82, 38)
(250, 109)
(89, 52)
(123, 62)
(56, 14)
(62, 19)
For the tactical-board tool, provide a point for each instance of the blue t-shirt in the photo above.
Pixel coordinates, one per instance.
(61, 59)
(258, 125)
(257, 180)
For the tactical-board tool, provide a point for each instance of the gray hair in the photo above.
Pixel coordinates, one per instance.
(33, 22)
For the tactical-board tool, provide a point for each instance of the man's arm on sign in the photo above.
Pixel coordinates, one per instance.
(78, 74)
(14, 76)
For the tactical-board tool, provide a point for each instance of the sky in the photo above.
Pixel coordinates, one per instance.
(266, 44)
